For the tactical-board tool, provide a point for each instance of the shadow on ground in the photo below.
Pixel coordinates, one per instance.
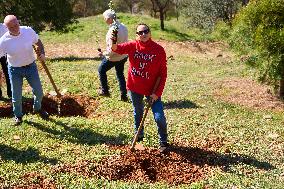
(180, 104)
(73, 59)
(202, 157)
(29, 155)
(179, 165)
(78, 135)
(180, 36)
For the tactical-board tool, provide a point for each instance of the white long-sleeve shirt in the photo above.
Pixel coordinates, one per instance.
(3, 29)
(122, 36)
(19, 49)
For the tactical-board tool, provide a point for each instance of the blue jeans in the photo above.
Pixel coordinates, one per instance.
(119, 68)
(17, 74)
(158, 112)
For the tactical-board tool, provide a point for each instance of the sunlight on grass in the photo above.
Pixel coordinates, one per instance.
(193, 113)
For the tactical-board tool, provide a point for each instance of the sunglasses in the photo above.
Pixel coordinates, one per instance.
(143, 32)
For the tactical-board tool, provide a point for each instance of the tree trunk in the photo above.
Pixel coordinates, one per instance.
(245, 2)
(162, 19)
(131, 9)
(177, 13)
(85, 8)
(281, 92)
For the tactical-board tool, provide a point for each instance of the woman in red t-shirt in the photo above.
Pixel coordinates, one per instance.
(147, 63)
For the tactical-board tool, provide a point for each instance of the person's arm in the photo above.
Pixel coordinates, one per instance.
(2, 52)
(114, 46)
(39, 48)
(163, 75)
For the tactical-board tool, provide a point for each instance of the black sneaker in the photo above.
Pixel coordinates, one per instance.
(164, 146)
(102, 93)
(18, 120)
(140, 139)
(43, 114)
(124, 98)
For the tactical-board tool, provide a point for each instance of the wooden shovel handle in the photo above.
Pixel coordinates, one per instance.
(50, 78)
(49, 75)
(149, 104)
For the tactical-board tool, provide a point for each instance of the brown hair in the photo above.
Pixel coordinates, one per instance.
(142, 24)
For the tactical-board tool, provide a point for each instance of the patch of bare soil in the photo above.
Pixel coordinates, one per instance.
(180, 165)
(183, 163)
(202, 50)
(173, 50)
(67, 105)
(248, 93)
(81, 50)
(34, 180)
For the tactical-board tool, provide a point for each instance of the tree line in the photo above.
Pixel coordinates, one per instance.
(253, 27)
(57, 14)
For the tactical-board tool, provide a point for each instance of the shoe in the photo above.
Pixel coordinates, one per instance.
(124, 98)
(18, 120)
(102, 93)
(164, 146)
(140, 139)
(43, 114)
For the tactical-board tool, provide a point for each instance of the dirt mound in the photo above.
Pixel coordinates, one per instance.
(184, 163)
(180, 165)
(67, 105)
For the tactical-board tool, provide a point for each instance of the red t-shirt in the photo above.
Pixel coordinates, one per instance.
(147, 63)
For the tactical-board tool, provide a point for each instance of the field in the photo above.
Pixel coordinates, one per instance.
(226, 129)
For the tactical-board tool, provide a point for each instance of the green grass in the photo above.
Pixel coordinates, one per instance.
(92, 29)
(194, 114)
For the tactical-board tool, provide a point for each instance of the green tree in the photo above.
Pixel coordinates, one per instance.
(161, 7)
(83, 8)
(205, 13)
(258, 31)
(127, 5)
(54, 14)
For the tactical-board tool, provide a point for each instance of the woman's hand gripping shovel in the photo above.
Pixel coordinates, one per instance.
(149, 104)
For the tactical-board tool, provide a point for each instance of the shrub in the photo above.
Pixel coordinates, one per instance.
(258, 32)
(205, 13)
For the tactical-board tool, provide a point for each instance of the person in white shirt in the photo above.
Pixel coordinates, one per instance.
(3, 60)
(18, 43)
(111, 59)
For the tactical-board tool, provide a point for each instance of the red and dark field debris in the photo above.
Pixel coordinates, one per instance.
(67, 105)
(180, 165)
(34, 180)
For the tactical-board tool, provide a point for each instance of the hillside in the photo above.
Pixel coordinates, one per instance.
(226, 130)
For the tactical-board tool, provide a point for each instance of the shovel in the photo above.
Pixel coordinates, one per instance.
(58, 94)
(149, 104)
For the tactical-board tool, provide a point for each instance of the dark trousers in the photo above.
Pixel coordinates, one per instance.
(119, 68)
(3, 61)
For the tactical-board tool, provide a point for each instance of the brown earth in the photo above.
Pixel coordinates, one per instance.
(179, 165)
(183, 163)
(34, 180)
(67, 105)
(248, 93)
